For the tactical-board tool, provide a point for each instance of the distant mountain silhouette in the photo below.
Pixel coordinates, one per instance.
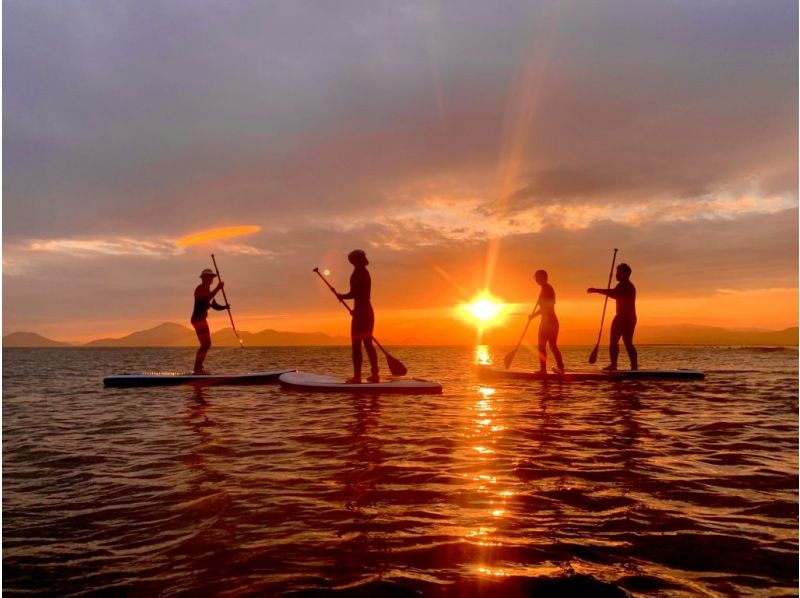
(461, 333)
(30, 339)
(711, 335)
(170, 334)
(167, 334)
(273, 338)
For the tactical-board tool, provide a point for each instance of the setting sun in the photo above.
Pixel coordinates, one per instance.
(484, 310)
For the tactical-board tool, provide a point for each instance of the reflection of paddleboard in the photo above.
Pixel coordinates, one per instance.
(173, 378)
(319, 383)
(488, 371)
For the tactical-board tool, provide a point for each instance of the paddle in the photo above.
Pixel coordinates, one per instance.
(395, 366)
(510, 357)
(593, 356)
(230, 315)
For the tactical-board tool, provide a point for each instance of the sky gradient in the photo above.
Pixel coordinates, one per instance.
(462, 145)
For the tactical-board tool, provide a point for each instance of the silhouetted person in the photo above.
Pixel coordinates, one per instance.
(363, 322)
(548, 326)
(203, 300)
(624, 322)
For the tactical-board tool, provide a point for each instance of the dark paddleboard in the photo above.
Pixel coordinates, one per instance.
(319, 383)
(174, 378)
(498, 373)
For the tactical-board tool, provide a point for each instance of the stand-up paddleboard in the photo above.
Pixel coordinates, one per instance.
(174, 378)
(319, 383)
(498, 373)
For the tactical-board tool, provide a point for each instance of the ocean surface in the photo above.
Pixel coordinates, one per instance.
(509, 489)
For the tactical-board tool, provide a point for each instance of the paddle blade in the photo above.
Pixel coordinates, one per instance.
(593, 356)
(509, 358)
(395, 366)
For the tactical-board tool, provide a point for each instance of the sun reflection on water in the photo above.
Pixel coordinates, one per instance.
(491, 490)
(482, 355)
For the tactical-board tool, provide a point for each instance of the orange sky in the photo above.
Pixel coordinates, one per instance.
(449, 319)
(462, 148)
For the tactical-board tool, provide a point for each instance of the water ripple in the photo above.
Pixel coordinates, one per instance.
(601, 489)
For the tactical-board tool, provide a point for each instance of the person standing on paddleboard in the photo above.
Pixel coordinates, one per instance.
(203, 301)
(624, 322)
(548, 326)
(363, 323)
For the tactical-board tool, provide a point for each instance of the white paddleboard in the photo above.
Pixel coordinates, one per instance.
(320, 383)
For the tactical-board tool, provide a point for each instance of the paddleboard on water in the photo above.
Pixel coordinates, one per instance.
(320, 383)
(495, 372)
(174, 378)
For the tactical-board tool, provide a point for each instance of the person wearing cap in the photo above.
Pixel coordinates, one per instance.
(203, 300)
(624, 323)
(548, 325)
(363, 323)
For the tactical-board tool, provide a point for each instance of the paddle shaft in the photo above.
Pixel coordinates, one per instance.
(510, 357)
(224, 296)
(605, 303)
(330, 286)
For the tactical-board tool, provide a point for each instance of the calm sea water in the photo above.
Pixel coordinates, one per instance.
(592, 489)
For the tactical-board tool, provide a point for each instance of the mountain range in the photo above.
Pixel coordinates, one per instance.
(170, 334)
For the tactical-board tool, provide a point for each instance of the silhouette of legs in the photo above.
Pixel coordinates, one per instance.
(542, 352)
(204, 336)
(357, 359)
(627, 338)
(548, 334)
(557, 354)
(361, 330)
(623, 328)
(373, 359)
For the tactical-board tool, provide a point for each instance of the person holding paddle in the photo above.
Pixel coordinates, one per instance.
(624, 323)
(363, 322)
(203, 301)
(548, 325)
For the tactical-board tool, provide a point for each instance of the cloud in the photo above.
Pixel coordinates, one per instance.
(83, 247)
(216, 234)
(21, 257)
(180, 109)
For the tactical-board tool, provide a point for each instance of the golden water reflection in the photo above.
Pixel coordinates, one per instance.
(482, 355)
(491, 488)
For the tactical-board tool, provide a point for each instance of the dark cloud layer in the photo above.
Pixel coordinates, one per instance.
(119, 108)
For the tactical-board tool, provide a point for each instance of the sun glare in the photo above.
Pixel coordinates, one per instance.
(484, 310)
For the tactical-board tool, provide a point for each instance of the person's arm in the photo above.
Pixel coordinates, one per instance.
(613, 293)
(210, 295)
(537, 309)
(214, 304)
(355, 285)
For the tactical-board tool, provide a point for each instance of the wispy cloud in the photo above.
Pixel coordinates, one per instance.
(439, 219)
(88, 247)
(26, 251)
(216, 234)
